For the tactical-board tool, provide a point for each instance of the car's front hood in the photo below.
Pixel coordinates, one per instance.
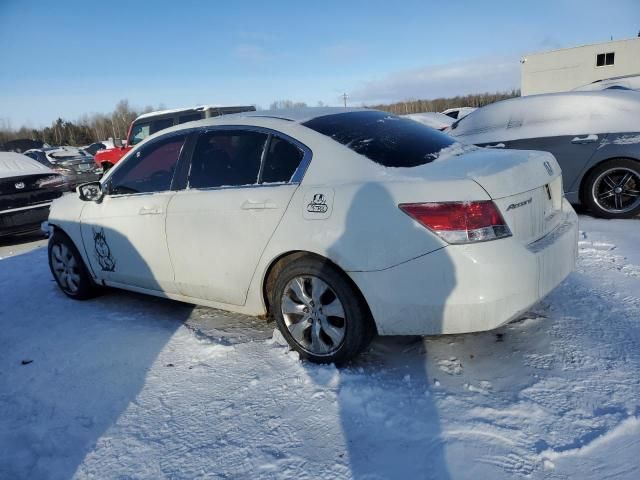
(15, 165)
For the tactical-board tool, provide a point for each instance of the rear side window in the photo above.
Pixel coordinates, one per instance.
(228, 158)
(189, 118)
(161, 124)
(40, 157)
(281, 162)
(384, 138)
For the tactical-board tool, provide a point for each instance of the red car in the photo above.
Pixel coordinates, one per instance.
(150, 123)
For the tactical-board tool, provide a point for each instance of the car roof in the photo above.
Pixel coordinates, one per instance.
(298, 115)
(267, 118)
(552, 114)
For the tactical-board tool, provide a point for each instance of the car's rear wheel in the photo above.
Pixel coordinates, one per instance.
(68, 268)
(319, 312)
(613, 189)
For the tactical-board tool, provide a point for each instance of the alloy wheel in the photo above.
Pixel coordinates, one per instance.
(65, 267)
(314, 315)
(617, 190)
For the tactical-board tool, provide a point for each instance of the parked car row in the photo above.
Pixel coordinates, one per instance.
(346, 223)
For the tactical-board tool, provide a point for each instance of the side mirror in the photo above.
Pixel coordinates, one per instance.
(90, 192)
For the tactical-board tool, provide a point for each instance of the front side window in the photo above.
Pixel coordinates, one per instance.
(228, 158)
(281, 161)
(386, 139)
(150, 169)
(139, 132)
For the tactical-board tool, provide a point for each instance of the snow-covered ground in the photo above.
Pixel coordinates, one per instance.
(127, 386)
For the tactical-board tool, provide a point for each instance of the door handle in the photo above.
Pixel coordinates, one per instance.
(149, 211)
(249, 205)
(587, 139)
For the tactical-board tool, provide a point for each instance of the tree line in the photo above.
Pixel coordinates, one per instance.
(85, 130)
(99, 126)
(441, 104)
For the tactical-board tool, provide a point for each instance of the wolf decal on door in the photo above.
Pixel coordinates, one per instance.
(102, 251)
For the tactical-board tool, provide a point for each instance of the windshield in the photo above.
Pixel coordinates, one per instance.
(383, 138)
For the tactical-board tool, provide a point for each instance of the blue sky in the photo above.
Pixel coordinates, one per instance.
(67, 57)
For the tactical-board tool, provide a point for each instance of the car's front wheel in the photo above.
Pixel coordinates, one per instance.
(68, 268)
(613, 189)
(319, 312)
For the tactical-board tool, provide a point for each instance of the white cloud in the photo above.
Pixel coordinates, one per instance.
(458, 78)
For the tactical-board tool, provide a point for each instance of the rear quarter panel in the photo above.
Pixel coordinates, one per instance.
(610, 146)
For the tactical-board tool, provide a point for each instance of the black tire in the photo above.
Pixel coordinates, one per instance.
(596, 189)
(61, 246)
(357, 326)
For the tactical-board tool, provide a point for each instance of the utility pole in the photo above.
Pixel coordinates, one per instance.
(344, 97)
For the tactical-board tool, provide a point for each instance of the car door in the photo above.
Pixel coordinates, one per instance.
(240, 182)
(124, 235)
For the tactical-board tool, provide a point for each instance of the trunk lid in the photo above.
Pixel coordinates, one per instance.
(526, 186)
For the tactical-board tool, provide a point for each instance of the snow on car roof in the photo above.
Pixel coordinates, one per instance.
(431, 119)
(15, 164)
(631, 82)
(550, 115)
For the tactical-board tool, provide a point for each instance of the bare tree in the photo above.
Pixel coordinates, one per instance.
(284, 104)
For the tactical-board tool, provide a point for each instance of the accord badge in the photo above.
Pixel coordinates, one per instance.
(513, 206)
(549, 168)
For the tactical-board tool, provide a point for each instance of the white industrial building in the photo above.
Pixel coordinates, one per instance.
(569, 68)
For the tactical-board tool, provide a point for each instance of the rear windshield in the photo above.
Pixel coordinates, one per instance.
(384, 138)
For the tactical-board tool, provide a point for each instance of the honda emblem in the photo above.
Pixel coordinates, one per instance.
(19, 185)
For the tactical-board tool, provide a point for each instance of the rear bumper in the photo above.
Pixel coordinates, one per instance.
(470, 288)
(23, 220)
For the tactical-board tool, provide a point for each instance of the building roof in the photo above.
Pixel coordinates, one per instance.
(582, 46)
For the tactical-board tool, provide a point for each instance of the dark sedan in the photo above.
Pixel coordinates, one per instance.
(27, 189)
(595, 137)
(74, 164)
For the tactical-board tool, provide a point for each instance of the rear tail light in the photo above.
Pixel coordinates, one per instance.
(460, 222)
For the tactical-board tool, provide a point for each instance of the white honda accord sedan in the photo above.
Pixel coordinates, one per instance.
(340, 224)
